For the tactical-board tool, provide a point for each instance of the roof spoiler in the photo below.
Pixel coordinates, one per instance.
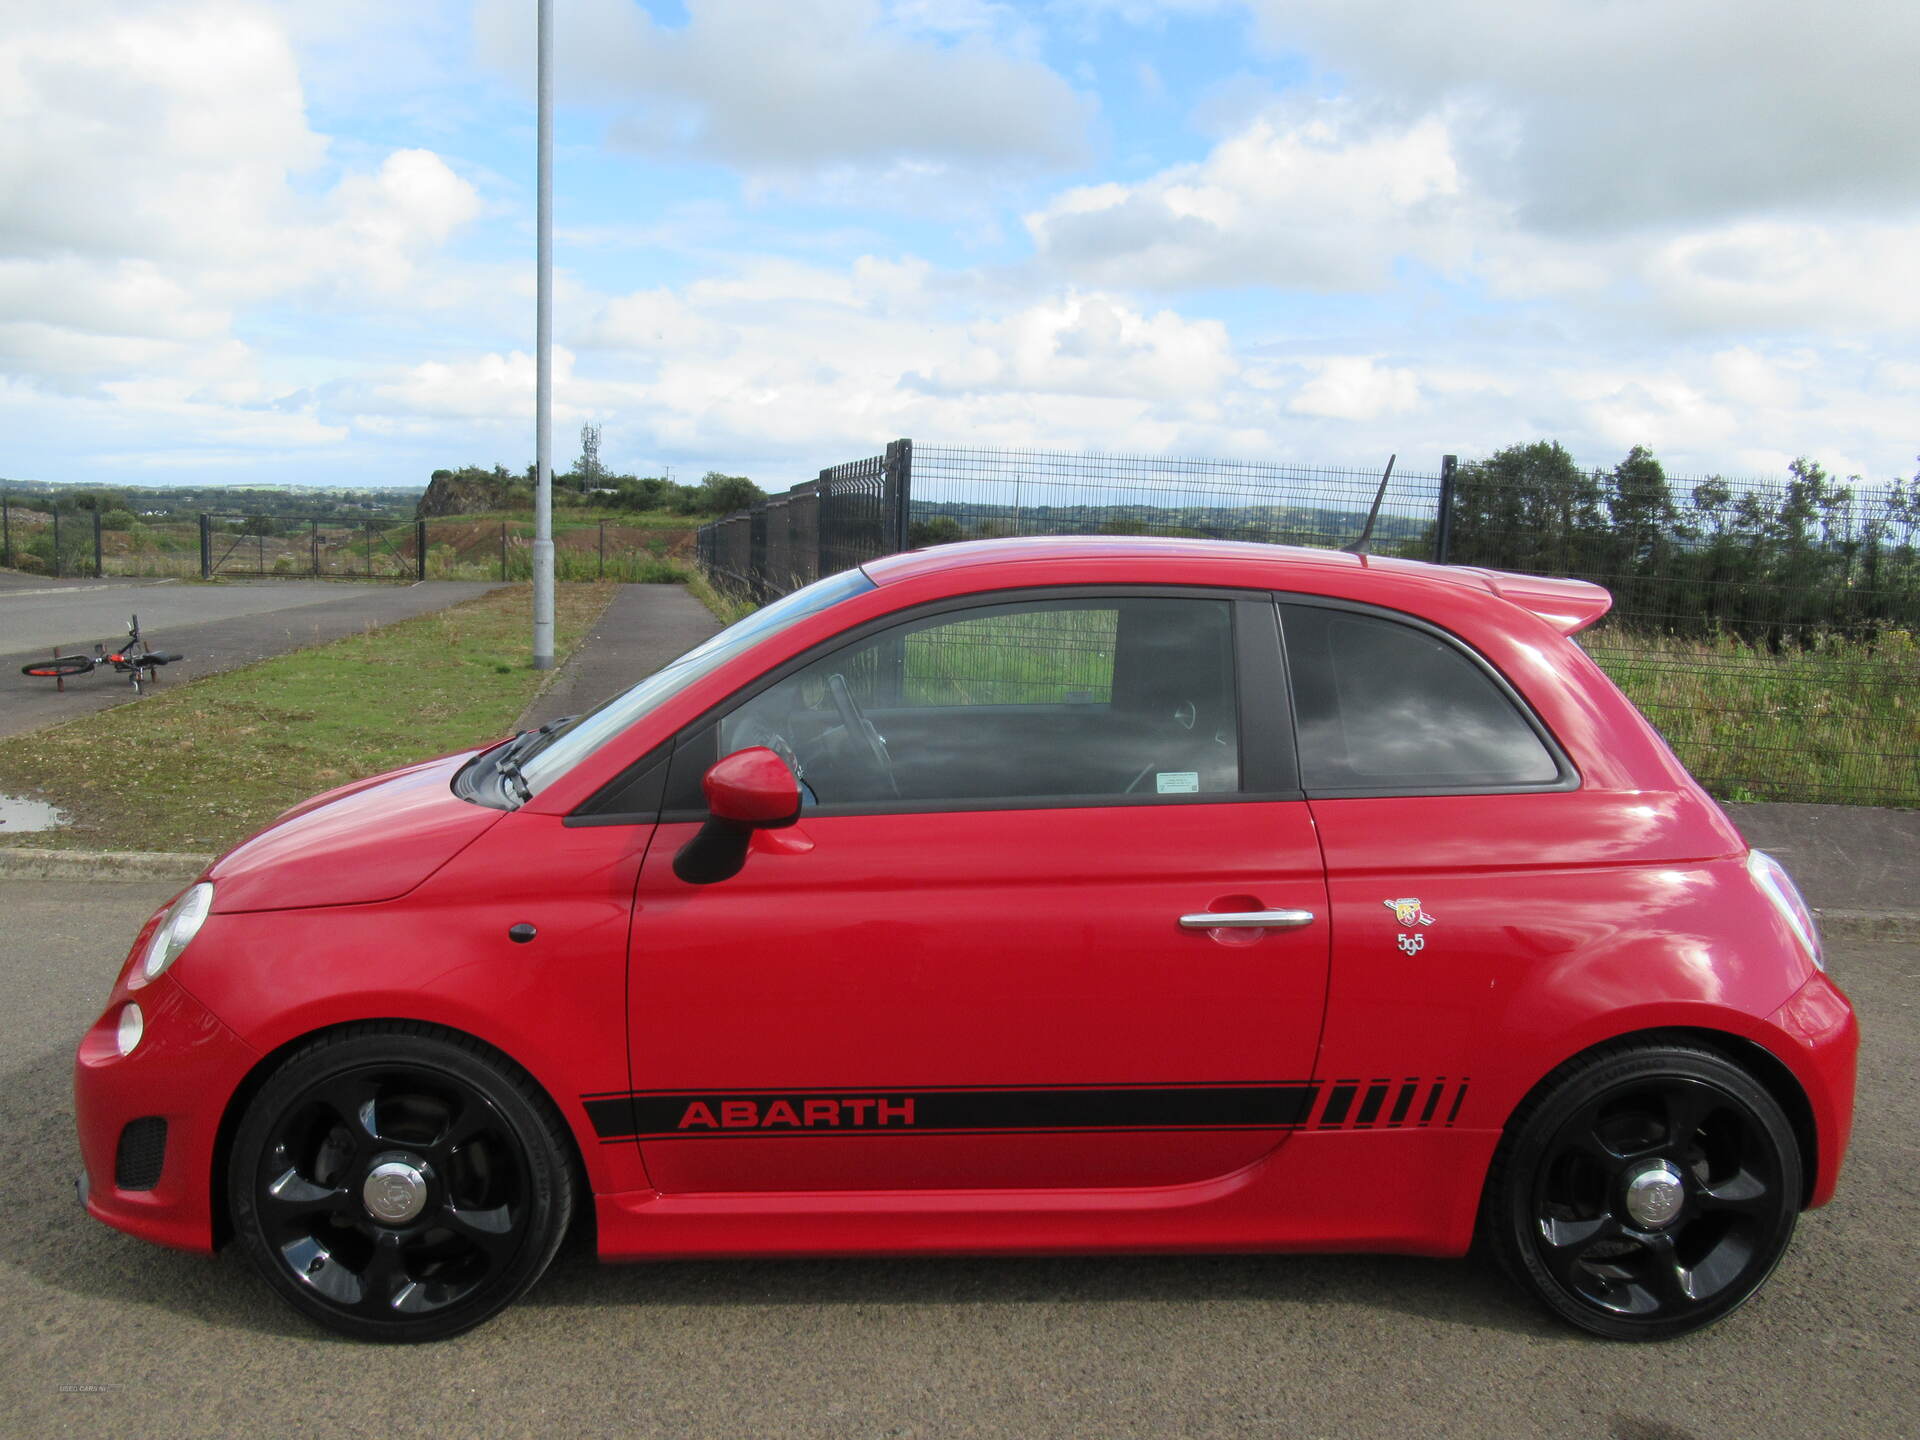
(1570, 606)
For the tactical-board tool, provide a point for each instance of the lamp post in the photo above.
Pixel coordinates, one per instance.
(543, 361)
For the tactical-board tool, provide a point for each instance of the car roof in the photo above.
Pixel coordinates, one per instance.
(1567, 605)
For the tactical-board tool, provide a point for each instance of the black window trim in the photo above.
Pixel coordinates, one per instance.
(1260, 692)
(1568, 777)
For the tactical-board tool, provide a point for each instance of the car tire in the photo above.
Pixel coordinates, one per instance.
(400, 1183)
(1644, 1191)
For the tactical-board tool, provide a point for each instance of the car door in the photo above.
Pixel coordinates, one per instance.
(966, 965)
(1461, 852)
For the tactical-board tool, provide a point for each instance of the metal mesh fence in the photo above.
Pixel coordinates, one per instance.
(967, 494)
(308, 546)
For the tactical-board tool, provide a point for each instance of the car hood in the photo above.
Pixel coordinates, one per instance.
(373, 840)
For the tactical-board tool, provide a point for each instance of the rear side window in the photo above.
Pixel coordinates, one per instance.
(1383, 706)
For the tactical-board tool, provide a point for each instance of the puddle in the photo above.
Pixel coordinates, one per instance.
(17, 816)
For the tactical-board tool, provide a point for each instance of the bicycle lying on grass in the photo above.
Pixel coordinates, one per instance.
(140, 664)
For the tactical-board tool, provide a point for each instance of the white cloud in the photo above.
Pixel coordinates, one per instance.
(1091, 345)
(1303, 198)
(1354, 387)
(1644, 112)
(793, 91)
(158, 175)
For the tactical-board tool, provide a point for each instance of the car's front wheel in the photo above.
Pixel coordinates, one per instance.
(1645, 1190)
(397, 1183)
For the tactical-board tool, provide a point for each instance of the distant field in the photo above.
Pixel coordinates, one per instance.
(642, 547)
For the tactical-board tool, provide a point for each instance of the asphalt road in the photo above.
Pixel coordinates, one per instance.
(215, 626)
(101, 1334)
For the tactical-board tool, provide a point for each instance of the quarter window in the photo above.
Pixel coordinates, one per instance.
(1385, 706)
(1101, 699)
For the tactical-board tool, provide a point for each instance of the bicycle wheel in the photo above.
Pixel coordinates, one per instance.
(61, 668)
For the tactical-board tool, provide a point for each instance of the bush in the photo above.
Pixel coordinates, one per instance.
(940, 530)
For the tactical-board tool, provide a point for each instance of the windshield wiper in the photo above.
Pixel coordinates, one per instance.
(508, 768)
(506, 763)
(525, 742)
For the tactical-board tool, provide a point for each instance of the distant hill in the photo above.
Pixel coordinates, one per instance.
(184, 502)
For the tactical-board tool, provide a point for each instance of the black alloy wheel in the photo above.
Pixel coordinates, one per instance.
(1646, 1191)
(400, 1184)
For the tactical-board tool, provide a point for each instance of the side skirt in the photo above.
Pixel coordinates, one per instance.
(1413, 1192)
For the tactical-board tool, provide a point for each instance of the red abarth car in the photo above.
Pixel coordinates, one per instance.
(1024, 896)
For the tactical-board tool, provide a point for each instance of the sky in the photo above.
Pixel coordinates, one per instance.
(254, 242)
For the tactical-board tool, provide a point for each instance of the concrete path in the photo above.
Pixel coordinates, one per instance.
(217, 627)
(1859, 866)
(644, 628)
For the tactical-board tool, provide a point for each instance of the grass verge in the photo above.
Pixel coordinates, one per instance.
(200, 766)
(1839, 722)
(725, 605)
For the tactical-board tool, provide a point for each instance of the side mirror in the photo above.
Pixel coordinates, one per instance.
(749, 790)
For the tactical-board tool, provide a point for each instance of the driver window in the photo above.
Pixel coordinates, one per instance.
(1102, 699)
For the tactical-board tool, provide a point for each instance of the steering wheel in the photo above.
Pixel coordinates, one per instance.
(859, 727)
(1185, 717)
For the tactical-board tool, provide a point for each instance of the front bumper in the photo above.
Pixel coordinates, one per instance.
(182, 1072)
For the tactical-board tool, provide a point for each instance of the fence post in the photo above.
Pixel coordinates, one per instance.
(313, 545)
(99, 556)
(206, 546)
(1443, 518)
(820, 517)
(58, 571)
(369, 549)
(6, 532)
(419, 550)
(899, 482)
(503, 551)
(603, 549)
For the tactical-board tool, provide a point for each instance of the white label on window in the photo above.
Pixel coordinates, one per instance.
(1177, 782)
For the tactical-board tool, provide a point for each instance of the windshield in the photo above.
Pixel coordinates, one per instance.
(554, 755)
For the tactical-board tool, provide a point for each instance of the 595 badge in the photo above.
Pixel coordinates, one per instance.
(1410, 915)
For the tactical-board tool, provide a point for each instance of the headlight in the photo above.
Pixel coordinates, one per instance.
(1774, 882)
(183, 922)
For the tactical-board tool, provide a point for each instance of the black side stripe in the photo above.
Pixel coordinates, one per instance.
(1279, 1105)
(1338, 1103)
(1402, 1101)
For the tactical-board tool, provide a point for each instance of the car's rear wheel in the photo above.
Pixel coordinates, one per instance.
(400, 1184)
(1645, 1190)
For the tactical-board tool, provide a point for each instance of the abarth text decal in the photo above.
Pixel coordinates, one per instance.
(1392, 1103)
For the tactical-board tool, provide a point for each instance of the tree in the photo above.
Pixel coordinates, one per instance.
(1529, 507)
(935, 530)
(723, 494)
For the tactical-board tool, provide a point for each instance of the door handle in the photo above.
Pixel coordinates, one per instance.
(1248, 920)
